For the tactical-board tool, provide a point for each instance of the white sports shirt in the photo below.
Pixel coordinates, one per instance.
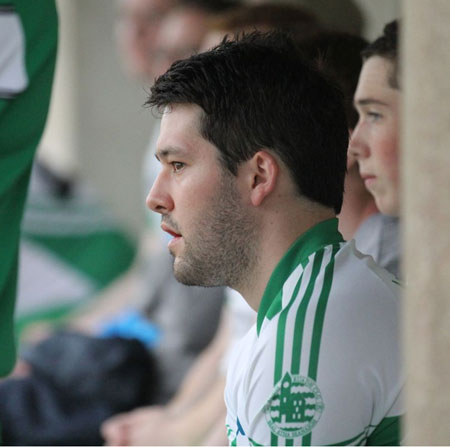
(322, 364)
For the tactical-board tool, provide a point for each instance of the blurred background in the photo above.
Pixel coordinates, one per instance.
(98, 133)
(98, 129)
(86, 219)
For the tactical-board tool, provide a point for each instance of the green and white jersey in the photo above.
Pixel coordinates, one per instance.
(28, 40)
(322, 364)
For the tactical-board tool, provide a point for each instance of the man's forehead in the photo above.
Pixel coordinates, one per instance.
(180, 127)
(181, 117)
(374, 80)
(137, 7)
(182, 28)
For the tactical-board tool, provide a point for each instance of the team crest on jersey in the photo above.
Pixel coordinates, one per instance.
(295, 406)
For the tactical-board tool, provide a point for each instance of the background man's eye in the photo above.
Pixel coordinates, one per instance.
(374, 116)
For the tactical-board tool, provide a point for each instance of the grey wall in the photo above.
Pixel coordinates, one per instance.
(377, 13)
(113, 126)
(97, 126)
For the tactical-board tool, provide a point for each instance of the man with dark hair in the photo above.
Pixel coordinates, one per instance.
(338, 55)
(252, 172)
(374, 142)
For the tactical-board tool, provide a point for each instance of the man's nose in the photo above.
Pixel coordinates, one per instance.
(358, 146)
(159, 199)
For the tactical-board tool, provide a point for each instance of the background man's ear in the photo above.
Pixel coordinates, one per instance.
(263, 171)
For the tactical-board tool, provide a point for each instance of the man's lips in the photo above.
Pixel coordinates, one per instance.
(176, 236)
(169, 230)
(368, 178)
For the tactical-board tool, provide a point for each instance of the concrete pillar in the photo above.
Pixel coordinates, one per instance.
(426, 218)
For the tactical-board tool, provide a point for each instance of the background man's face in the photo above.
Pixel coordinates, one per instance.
(374, 142)
(137, 30)
(180, 35)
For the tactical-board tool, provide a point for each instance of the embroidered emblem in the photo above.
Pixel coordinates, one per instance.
(295, 406)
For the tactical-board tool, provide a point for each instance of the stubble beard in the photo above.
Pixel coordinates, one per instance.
(223, 249)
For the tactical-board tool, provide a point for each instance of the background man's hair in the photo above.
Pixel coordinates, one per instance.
(211, 6)
(257, 92)
(386, 46)
(337, 55)
(293, 19)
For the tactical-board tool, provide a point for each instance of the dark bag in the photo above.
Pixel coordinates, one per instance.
(76, 383)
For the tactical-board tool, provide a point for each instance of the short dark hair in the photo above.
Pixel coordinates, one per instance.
(257, 92)
(386, 46)
(338, 55)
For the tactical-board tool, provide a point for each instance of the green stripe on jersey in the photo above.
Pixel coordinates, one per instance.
(386, 433)
(320, 315)
(352, 441)
(318, 324)
(322, 234)
(281, 333)
(301, 314)
(276, 305)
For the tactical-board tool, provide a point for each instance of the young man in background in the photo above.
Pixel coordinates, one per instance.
(374, 142)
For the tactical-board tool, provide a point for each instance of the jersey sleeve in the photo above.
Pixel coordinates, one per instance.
(27, 62)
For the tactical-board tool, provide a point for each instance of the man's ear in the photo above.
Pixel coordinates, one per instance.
(262, 174)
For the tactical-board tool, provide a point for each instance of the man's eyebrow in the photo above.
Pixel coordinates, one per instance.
(162, 154)
(369, 101)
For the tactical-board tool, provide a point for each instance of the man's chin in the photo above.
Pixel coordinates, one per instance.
(179, 271)
(182, 278)
(186, 275)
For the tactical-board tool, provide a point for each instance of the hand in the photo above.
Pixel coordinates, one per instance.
(144, 426)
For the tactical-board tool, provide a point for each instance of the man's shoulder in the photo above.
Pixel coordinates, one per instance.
(379, 236)
(341, 271)
(338, 275)
(359, 271)
(360, 290)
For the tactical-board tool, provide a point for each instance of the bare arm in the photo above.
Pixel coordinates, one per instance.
(217, 435)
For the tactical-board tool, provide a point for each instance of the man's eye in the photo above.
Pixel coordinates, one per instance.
(374, 116)
(177, 166)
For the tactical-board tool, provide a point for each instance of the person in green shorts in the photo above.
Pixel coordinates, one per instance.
(28, 42)
(253, 149)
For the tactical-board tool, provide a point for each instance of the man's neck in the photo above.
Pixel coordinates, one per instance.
(357, 207)
(279, 233)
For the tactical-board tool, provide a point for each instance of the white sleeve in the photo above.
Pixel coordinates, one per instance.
(13, 76)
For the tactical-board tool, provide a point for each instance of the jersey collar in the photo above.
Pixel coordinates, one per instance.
(322, 234)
